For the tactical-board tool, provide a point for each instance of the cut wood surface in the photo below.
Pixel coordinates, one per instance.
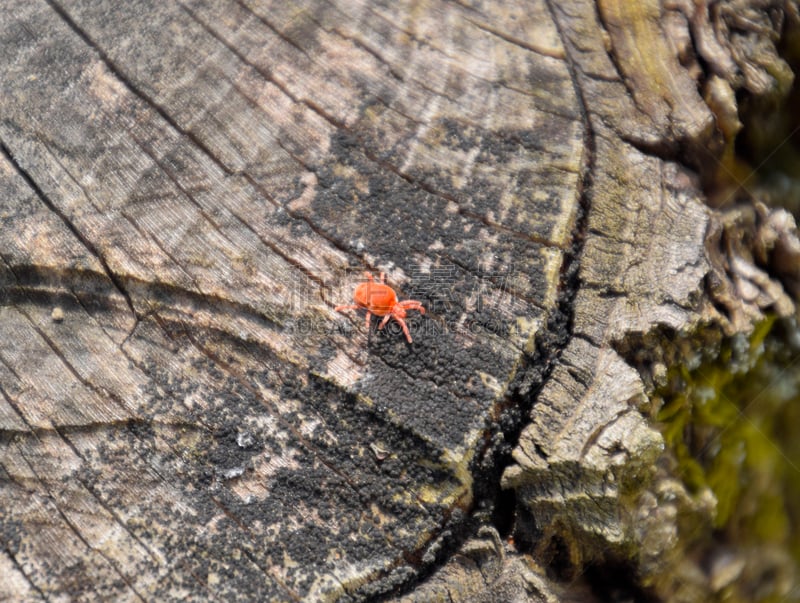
(189, 188)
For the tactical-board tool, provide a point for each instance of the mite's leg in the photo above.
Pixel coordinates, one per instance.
(412, 304)
(343, 308)
(405, 328)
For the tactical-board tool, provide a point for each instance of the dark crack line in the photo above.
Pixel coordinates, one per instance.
(106, 507)
(184, 566)
(99, 392)
(53, 497)
(313, 107)
(586, 338)
(269, 77)
(561, 322)
(424, 186)
(366, 48)
(515, 41)
(151, 236)
(585, 182)
(32, 431)
(576, 372)
(114, 278)
(453, 60)
(130, 85)
(103, 395)
(273, 575)
(49, 144)
(15, 562)
(275, 248)
(595, 436)
(275, 30)
(108, 334)
(50, 282)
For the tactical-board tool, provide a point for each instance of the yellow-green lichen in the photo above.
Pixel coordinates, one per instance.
(729, 422)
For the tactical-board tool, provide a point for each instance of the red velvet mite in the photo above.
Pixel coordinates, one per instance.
(381, 300)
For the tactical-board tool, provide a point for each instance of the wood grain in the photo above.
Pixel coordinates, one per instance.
(187, 189)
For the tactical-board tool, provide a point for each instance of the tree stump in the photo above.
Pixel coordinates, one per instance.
(190, 188)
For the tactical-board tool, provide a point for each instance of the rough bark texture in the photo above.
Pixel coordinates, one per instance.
(188, 188)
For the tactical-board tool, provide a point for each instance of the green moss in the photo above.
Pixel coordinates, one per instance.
(731, 421)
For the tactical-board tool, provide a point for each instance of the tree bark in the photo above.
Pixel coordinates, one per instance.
(190, 188)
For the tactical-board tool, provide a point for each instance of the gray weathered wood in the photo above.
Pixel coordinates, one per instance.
(195, 185)
(188, 188)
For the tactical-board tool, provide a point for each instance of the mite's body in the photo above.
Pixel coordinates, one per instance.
(381, 300)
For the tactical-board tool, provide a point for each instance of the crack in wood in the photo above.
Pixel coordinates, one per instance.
(269, 77)
(15, 407)
(167, 318)
(275, 30)
(53, 207)
(20, 568)
(53, 498)
(132, 87)
(545, 52)
(422, 185)
(272, 574)
(46, 286)
(164, 114)
(148, 236)
(91, 427)
(101, 393)
(96, 496)
(366, 48)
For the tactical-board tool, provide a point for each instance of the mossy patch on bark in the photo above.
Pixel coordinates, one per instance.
(727, 419)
